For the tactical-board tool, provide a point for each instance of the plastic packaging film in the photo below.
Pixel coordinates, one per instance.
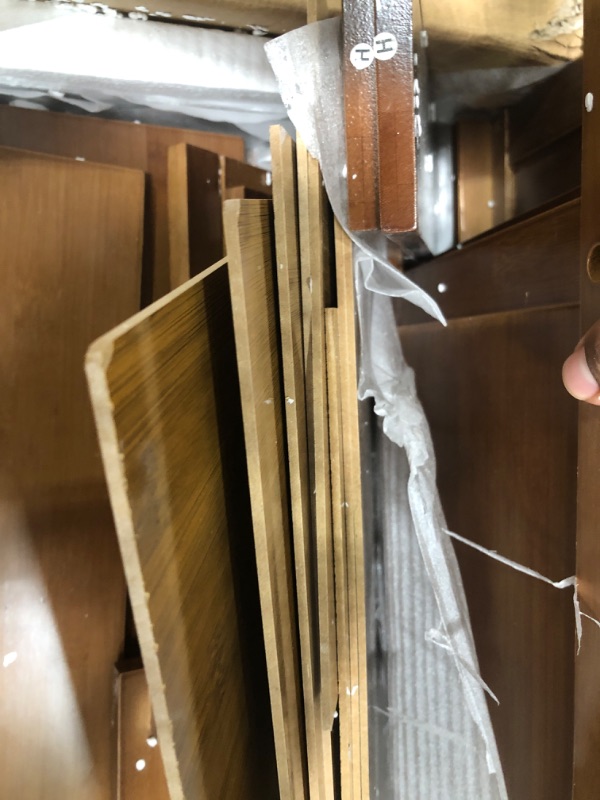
(431, 733)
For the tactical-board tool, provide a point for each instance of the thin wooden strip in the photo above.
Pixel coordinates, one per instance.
(249, 241)
(194, 211)
(283, 153)
(587, 700)
(166, 400)
(70, 266)
(340, 554)
(316, 295)
(354, 514)
(396, 116)
(235, 174)
(360, 105)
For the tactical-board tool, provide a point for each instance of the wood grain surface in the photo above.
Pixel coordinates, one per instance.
(122, 144)
(317, 294)
(70, 266)
(355, 694)
(587, 685)
(285, 205)
(249, 241)
(194, 211)
(526, 264)
(166, 401)
(504, 432)
(396, 150)
(141, 774)
(360, 107)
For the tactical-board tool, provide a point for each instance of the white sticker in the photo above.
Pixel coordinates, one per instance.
(362, 56)
(386, 46)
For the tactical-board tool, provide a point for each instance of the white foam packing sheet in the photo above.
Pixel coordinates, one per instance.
(434, 738)
(210, 74)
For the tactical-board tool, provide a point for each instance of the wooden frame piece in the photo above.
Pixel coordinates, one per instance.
(586, 780)
(360, 105)
(249, 241)
(396, 117)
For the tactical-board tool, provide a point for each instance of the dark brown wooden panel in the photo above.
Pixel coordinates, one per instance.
(195, 213)
(549, 173)
(505, 438)
(360, 105)
(587, 665)
(546, 114)
(70, 267)
(522, 265)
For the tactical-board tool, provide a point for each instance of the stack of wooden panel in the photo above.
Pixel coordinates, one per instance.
(228, 421)
(86, 214)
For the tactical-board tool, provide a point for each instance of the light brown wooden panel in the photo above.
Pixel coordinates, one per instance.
(123, 144)
(587, 685)
(317, 294)
(141, 771)
(249, 241)
(355, 694)
(70, 267)
(194, 211)
(285, 205)
(166, 400)
(528, 263)
(504, 432)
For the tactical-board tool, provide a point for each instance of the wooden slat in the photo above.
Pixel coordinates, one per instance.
(317, 294)
(587, 695)
(340, 551)
(522, 265)
(283, 152)
(123, 144)
(396, 120)
(360, 105)
(194, 212)
(70, 267)
(249, 241)
(490, 386)
(356, 691)
(235, 174)
(141, 774)
(166, 401)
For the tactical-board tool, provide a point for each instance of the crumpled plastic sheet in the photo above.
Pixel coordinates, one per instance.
(435, 737)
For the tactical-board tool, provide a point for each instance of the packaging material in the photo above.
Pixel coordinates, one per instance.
(103, 58)
(431, 734)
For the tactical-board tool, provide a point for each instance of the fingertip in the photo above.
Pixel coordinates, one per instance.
(578, 379)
